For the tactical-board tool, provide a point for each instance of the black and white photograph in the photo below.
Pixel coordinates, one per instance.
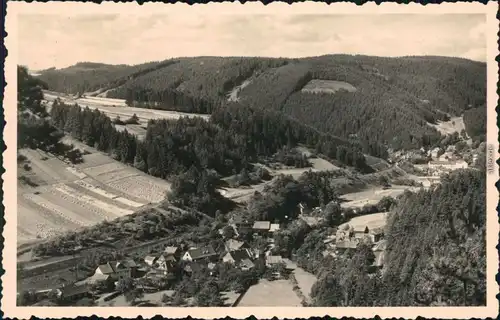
(259, 159)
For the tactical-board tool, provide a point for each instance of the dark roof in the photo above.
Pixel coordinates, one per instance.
(262, 225)
(239, 255)
(193, 267)
(201, 253)
(72, 290)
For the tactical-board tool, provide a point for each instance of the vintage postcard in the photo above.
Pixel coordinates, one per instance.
(236, 159)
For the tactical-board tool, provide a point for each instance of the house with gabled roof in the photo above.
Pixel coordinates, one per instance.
(150, 260)
(172, 251)
(117, 269)
(235, 257)
(206, 253)
(261, 227)
(72, 292)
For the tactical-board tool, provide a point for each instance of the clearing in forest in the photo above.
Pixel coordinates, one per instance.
(456, 124)
(372, 221)
(327, 86)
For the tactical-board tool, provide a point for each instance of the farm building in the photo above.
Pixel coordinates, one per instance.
(449, 165)
(117, 269)
(273, 260)
(199, 254)
(72, 292)
(261, 227)
(274, 227)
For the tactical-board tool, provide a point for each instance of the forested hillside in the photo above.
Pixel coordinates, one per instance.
(436, 252)
(394, 102)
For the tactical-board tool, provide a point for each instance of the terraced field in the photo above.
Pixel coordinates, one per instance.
(60, 197)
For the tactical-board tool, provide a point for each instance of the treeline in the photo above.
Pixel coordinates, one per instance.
(88, 76)
(395, 101)
(475, 123)
(436, 253)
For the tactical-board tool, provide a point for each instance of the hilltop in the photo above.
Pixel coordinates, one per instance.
(378, 102)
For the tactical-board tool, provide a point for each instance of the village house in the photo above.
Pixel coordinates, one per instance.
(240, 225)
(447, 165)
(116, 270)
(233, 245)
(150, 260)
(72, 292)
(261, 227)
(172, 251)
(273, 260)
(342, 246)
(166, 264)
(206, 253)
(236, 257)
(361, 232)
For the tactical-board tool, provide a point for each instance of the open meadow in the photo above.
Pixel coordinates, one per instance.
(372, 196)
(277, 293)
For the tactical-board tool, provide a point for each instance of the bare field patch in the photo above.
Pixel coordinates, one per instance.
(320, 164)
(372, 196)
(56, 209)
(456, 124)
(147, 188)
(46, 167)
(104, 168)
(372, 221)
(94, 160)
(327, 86)
(40, 222)
(117, 175)
(103, 209)
(277, 293)
(92, 188)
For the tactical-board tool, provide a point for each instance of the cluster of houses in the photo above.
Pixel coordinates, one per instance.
(172, 260)
(352, 237)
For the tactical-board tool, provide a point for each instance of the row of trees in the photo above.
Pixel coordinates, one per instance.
(227, 143)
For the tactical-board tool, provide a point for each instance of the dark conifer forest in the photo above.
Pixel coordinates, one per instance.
(395, 99)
